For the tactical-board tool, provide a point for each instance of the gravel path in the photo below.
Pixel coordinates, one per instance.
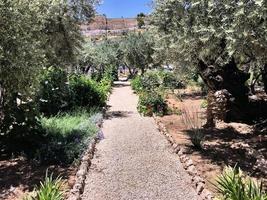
(134, 161)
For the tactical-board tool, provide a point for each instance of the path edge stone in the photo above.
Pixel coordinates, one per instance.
(85, 163)
(197, 181)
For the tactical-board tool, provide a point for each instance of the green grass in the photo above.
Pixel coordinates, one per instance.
(65, 124)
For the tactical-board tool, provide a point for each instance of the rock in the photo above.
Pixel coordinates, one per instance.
(81, 173)
(197, 179)
(74, 197)
(261, 164)
(206, 194)
(85, 158)
(181, 152)
(188, 163)
(183, 158)
(84, 166)
(176, 148)
(192, 170)
(200, 188)
(171, 140)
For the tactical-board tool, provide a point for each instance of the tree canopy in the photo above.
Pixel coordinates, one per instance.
(222, 39)
(36, 34)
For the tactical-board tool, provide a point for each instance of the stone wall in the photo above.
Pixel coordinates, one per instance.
(102, 23)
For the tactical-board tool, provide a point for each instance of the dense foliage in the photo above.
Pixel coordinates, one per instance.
(35, 35)
(213, 31)
(66, 136)
(40, 43)
(152, 102)
(87, 92)
(156, 80)
(54, 93)
(223, 40)
(100, 59)
(136, 52)
(151, 87)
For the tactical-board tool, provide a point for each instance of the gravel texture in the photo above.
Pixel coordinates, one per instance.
(134, 161)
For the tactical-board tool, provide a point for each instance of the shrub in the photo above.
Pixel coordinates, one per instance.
(50, 189)
(54, 94)
(234, 185)
(105, 87)
(66, 137)
(150, 103)
(170, 81)
(151, 81)
(156, 80)
(86, 92)
(19, 129)
(136, 84)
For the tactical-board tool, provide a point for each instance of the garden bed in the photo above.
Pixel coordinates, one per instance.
(69, 136)
(227, 144)
(19, 176)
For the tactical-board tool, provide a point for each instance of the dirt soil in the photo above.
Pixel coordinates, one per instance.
(18, 176)
(223, 145)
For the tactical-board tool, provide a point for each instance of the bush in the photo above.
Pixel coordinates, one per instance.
(50, 189)
(20, 126)
(234, 185)
(151, 80)
(170, 81)
(54, 94)
(150, 103)
(66, 137)
(105, 87)
(60, 93)
(156, 80)
(86, 92)
(136, 84)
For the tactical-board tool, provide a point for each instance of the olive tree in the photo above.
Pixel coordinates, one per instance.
(102, 58)
(137, 51)
(34, 35)
(218, 38)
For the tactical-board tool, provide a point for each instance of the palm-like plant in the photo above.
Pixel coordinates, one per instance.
(50, 189)
(234, 185)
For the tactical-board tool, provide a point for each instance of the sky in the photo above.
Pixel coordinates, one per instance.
(123, 8)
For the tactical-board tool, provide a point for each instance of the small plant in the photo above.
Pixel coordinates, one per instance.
(150, 103)
(50, 189)
(234, 185)
(194, 124)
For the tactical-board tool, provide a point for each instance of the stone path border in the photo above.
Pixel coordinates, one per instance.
(88, 155)
(197, 181)
(77, 190)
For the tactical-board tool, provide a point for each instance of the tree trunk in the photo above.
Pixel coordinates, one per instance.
(1, 104)
(264, 77)
(210, 116)
(230, 78)
(142, 71)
